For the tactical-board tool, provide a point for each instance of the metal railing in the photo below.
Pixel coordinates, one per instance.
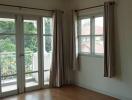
(9, 70)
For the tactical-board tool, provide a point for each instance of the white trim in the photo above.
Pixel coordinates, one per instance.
(18, 50)
(10, 93)
(24, 11)
(40, 49)
(21, 40)
(28, 89)
(41, 52)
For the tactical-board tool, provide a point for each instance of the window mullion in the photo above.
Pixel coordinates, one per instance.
(92, 35)
(78, 34)
(40, 52)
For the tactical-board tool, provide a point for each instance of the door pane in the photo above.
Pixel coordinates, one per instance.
(31, 53)
(7, 25)
(7, 55)
(47, 25)
(31, 57)
(9, 83)
(30, 27)
(48, 47)
(8, 69)
(31, 79)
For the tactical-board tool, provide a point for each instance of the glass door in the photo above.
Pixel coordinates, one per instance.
(47, 48)
(31, 53)
(8, 68)
(26, 45)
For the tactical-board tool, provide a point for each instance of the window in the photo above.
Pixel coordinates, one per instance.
(91, 38)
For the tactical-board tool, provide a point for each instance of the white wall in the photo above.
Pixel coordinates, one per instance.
(46, 4)
(91, 73)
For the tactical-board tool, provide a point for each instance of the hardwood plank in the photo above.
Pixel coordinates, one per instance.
(63, 93)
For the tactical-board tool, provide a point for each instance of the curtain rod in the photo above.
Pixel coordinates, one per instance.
(25, 7)
(112, 2)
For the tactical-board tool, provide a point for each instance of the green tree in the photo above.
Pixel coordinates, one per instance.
(29, 28)
(8, 45)
(7, 27)
(48, 39)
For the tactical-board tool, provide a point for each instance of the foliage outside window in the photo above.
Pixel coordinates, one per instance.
(8, 45)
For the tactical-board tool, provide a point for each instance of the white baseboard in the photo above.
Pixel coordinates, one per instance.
(103, 92)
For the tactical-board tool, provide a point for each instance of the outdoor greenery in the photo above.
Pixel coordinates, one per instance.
(8, 45)
(48, 39)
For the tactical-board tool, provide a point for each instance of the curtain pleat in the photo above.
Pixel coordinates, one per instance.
(109, 61)
(57, 68)
(74, 57)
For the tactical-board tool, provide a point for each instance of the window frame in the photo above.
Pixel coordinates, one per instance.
(19, 48)
(92, 34)
(12, 92)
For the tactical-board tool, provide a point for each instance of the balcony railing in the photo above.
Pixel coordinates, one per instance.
(9, 70)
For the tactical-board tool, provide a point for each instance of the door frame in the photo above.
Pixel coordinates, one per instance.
(12, 92)
(29, 17)
(20, 51)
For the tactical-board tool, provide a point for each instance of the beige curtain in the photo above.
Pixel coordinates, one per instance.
(74, 57)
(109, 65)
(57, 69)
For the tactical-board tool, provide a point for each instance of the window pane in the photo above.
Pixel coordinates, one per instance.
(46, 76)
(7, 55)
(47, 60)
(8, 83)
(47, 25)
(48, 44)
(85, 44)
(48, 47)
(30, 26)
(99, 25)
(85, 26)
(31, 79)
(31, 53)
(99, 45)
(7, 25)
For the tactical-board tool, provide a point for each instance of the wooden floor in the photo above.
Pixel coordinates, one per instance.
(64, 93)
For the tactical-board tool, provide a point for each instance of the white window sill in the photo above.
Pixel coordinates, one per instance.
(91, 55)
